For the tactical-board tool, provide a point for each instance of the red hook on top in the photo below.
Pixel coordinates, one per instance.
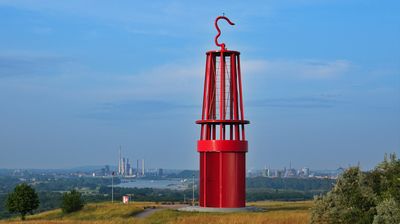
(219, 31)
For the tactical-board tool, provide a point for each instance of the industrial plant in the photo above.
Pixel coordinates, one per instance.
(126, 168)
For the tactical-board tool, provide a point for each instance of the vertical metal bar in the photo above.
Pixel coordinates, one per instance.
(214, 93)
(231, 98)
(204, 113)
(241, 97)
(208, 94)
(222, 94)
(235, 96)
(222, 117)
(213, 86)
(205, 87)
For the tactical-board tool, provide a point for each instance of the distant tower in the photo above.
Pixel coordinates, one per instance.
(124, 166)
(265, 172)
(127, 167)
(119, 162)
(222, 144)
(137, 168)
(143, 167)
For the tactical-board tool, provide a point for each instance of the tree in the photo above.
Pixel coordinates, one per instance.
(350, 201)
(388, 212)
(22, 200)
(71, 202)
(362, 197)
(389, 173)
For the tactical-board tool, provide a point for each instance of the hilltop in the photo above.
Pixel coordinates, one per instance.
(117, 213)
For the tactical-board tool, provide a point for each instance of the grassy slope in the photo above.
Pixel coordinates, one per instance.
(276, 213)
(101, 213)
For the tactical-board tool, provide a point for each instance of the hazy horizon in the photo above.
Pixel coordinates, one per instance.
(321, 81)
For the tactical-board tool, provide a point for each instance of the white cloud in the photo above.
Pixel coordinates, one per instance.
(306, 69)
(169, 82)
(183, 81)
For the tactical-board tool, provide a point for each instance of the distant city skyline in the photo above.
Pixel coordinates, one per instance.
(126, 168)
(116, 166)
(78, 79)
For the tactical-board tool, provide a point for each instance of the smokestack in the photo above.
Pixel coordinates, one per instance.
(137, 168)
(119, 162)
(142, 167)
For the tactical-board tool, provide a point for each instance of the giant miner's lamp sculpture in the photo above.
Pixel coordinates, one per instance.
(222, 145)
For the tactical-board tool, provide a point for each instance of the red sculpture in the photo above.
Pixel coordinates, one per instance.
(222, 145)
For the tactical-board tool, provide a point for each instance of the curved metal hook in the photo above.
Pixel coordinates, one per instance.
(219, 31)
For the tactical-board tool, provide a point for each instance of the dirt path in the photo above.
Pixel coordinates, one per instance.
(149, 211)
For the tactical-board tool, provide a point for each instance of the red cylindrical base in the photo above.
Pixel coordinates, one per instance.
(222, 173)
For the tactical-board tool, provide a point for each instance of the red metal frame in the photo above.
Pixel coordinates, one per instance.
(222, 156)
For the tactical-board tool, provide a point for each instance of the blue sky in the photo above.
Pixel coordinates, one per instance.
(79, 78)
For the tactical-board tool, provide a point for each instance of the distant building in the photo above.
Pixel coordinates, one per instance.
(137, 168)
(266, 172)
(107, 170)
(305, 171)
(290, 173)
(160, 172)
(127, 168)
(140, 168)
(130, 171)
(119, 162)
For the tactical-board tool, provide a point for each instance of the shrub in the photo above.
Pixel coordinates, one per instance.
(388, 212)
(362, 197)
(71, 202)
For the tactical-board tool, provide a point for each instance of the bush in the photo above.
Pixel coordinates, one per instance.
(23, 200)
(350, 201)
(72, 202)
(362, 197)
(388, 212)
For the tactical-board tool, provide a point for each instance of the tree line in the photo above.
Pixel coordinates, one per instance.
(24, 200)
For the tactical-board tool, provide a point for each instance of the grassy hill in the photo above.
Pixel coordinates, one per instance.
(102, 213)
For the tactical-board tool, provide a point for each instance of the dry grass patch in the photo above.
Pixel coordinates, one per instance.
(276, 213)
(91, 213)
(107, 213)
